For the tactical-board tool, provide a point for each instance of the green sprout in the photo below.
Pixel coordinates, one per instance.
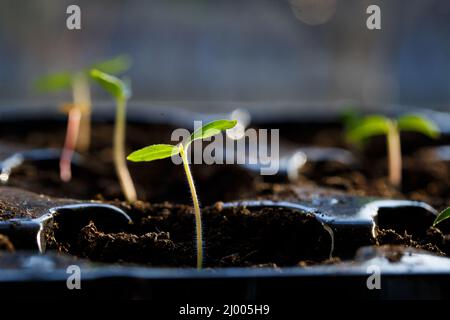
(379, 125)
(162, 151)
(121, 92)
(78, 132)
(444, 215)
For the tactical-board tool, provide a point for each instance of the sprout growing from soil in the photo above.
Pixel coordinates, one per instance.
(78, 132)
(162, 151)
(120, 90)
(379, 125)
(444, 215)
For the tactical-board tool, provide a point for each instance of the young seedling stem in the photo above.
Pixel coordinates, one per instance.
(121, 92)
(119, 151)
(76, 113)
(73, 126)
(162, 151)
(198, 217)
(394, 154)
(82, 98)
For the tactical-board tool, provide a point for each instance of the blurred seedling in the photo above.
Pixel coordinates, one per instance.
(121, 92)
(375, 125)
(78, 131)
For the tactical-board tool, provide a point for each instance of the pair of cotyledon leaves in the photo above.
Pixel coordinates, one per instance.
(63, 80)
(162, 151)
(380, 125)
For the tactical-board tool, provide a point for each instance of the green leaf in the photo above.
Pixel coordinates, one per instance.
(419, 124)
(116, 87)
(368, 127)
(54, 82)
(154, 152)
(115, 65)
(350, 117)
(211, 129)
(444, 215)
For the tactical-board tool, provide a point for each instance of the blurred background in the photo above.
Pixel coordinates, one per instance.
(268, 52)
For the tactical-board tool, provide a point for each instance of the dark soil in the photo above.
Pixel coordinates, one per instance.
(163, 234)
(434, 242)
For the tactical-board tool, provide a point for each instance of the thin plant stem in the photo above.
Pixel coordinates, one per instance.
(82, 98)
(123, 174)
(73, 126)
(76, 130)
(197, 212)
(394, 155)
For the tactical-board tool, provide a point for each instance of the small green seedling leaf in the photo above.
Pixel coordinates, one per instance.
(351, 118)
(444, 215)
(418, 124)
(115, 65)
(54, 82)
(64, 80)
(116, 87)
(154, 152)
(211, 129)
(368, 127)
(162, 151)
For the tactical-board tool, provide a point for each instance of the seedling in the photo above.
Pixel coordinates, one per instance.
(121, 92)
(380, 125)
(444, 215)
(78, 132)
(162, 151)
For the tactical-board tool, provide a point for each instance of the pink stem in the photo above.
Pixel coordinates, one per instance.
(73, 128)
